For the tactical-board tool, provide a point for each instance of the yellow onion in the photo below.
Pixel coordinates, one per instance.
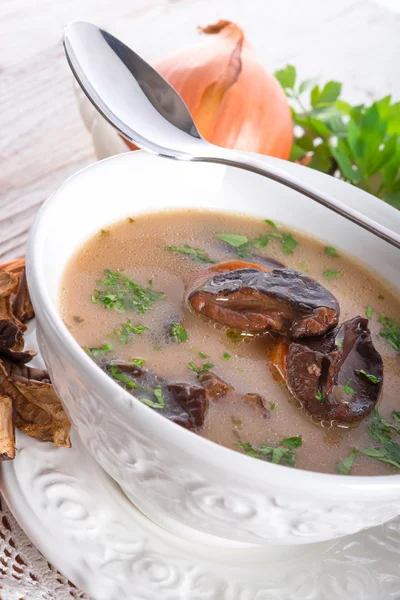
(234, 101)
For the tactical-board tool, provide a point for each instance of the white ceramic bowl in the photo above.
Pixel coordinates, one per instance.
(183, 482)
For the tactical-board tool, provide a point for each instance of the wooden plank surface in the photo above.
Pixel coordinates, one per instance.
(42, 138)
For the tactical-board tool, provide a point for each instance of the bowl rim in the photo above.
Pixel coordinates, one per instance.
(230, 460)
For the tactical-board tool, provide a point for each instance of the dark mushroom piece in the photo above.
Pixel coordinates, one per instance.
(185, 404)
(215, 386)
(338, 377)
(281, 300)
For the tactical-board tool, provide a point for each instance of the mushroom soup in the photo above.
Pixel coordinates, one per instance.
(262, 340)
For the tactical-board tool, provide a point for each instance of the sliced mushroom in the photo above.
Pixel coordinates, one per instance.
(22, 305)
(185, 404)
(12, 342)
(257, 402)
(281, 300)
(339, 377)
(215, 386)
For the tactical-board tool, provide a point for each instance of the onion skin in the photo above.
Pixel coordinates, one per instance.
(233, 100)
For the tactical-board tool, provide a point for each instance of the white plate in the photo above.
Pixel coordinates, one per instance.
(82, 522)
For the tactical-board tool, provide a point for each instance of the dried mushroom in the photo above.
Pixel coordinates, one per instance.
(215, 386)
(38, 411)
(339, 377)
(183, 403)
(7, 439)
(27, 397)
(22, 305)
(281, 300)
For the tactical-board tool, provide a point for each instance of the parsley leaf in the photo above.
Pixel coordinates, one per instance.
(348, 389)
(138, 362)
(123, 293)
(272, 405)
(320, 396)
(331, 274)
(127, 331)
(226, 356)
(359, 144)
(98, 352)
(234, 240)
(193, 253)
(344, 467)
(390, 332)
(372, 378)
(179, 332)
(200, 370)
(120, 376)
(288, 243)
(388, 453)
(330, 251)
(77, 319)
(369, 312)
(284, 453)
(159, 401)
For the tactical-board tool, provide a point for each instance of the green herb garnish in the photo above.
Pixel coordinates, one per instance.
(130, 220)
(270, 223)
(195, 254)
(320, 396)
(226, 356)
(396, 415)
(123, 293)
(371, 378)
(234, 240)
(200, 370)
(330, 251)
(348, 389)
(98, 352)
(272, 405)
(380, 297)
(388, 453)
(179, 333)
(344, 467)
(127, 331)
(339, 343)
(359, 144)
(284, 453)
(381, 431)
(120, 376)
(331, 274)
(288, 243)
(390, 332)
(138, 362)
(369, 312)
(77, 319)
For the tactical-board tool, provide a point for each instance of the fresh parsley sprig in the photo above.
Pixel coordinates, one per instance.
(360, 144)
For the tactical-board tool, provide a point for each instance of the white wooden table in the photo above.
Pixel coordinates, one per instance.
(42, 139)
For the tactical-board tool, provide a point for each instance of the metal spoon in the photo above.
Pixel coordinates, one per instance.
(146, 110)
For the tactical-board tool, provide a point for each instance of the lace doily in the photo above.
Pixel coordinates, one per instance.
(24, 573)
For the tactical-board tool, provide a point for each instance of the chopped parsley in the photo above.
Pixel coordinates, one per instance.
(130, 220)
(244, 246)
(369, 312)
(284, 453)
(320, 396)
(348, 389)
(339, 343)
(200, 370)
(331, 274)
(98, 352)
(77, 319)
(390, 332)
(226, 356)
(372, 378)
(120, 376)
(138, 362)
(288, 243)
(330, 251)
(104, 232)
(195, 254)
(381, 431)
(272, 405)
(127, 331)
(123, 293)
(344, 467)
(179, 333)
(201, 354)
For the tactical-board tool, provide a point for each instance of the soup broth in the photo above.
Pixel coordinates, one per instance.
(171, 249)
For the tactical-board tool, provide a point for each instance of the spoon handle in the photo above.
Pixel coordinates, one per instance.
(248, 162)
